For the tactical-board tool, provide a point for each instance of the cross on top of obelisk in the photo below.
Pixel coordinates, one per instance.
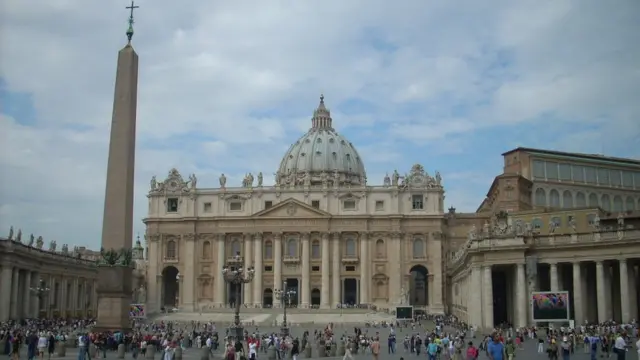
(130, 30)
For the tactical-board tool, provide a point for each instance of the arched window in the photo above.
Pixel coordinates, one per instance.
(315, 250)
(206, 250)
(536, 224)
(268, 250)
(606, 202)
(380, 249)
(593, 200)
(541, 197)
(236, 248)
(630, 204)
(292, 248)
(567, 199)
(554, 198)
(581, 200)
(418, 248)
(171, 250)
(617, 203)
(351, 247)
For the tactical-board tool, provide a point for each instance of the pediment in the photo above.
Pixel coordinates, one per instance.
(292, 208)
(350, 195)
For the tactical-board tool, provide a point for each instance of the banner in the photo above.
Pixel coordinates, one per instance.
(550, 306)
(404, 312)
(137, 311)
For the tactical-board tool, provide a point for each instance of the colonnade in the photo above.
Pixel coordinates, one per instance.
(600, 290)
(26, 293)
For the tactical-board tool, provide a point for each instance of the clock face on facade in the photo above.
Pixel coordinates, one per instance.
(173, 185)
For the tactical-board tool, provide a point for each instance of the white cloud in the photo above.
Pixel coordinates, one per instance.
(227, 86)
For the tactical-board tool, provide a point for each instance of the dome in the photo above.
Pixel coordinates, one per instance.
(321, 155)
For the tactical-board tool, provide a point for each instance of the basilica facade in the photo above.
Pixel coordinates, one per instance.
(321, 230)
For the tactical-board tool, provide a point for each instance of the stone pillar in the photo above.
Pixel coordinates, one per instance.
(188, 279)
(306, 272)
(394, 250)
(624, 292)
(365, 279)
(14, 293)
(601, 296)
(325, 301)
(277, 266)
(220, 298)
(335, 271)
(578, 304)
(257, 281)
(474, 307)
(608, 293)
(5, 292)
(153, 285)
(553, 274)
(34, 300)
(26, 303)
(248, 261)
(521, 296)
(487, 288)
(633, 292)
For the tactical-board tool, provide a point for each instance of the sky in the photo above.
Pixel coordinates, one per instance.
(227, 86)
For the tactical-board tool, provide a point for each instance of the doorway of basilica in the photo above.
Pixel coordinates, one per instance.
(267, 298)
(234, 293)
(350, 291)
(170, 287)
(315, 297)
(419, 286)
(292, 285)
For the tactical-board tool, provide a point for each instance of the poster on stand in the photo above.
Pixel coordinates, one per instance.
(550, 306)
(137, 311)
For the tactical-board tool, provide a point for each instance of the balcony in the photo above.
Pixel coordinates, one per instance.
(235, 260)
(350, 259)
(287, 259)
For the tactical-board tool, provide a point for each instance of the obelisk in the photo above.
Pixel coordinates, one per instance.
(115, 266)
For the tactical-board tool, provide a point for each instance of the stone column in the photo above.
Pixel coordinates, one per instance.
(188, 279)
(553, 274)
(325, 301)
(277, 266)
(578, 304)
(394, 250)
(14, 293)
(474, 308)
(608, 293)
(487, 288)
(335, 271)
(35, 301)
(521, 296)
(257, 286)
(365, 279)
(248, 261)
(624, 292)
(220, 298)
(5, 292)
(633, 292)
(26, 303)
(601, 296)
(306, 272)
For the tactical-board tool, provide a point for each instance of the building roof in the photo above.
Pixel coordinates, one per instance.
(575, 155)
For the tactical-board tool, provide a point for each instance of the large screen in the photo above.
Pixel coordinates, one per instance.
(137, 311)
(404, 312)
(550, 306)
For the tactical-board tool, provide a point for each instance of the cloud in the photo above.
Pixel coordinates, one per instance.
(228, 86)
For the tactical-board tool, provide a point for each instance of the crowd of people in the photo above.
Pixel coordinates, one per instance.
(436, 337)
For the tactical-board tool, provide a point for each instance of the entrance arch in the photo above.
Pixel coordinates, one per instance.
(315, 297)
(170, 287)
(267, 298)
(419, 286)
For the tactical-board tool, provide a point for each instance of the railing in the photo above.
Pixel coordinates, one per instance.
(54, 255)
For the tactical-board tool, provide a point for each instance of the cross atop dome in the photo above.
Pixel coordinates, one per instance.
(321, 116)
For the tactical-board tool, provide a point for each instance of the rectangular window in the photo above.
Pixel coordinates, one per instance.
(627, 179)
(636, 180)
(350, 268)
(538, 169)
(616, 177)
(590, 175)
(315, 204)
(379, 205)
(235, 206)
(207, 207)
(552, 170)
(565, 172)
(349, 204)
(603, 176)
(315, 268)
(268, 268)
(591, 219)
(416, 202)
(268, 204)
(578, 173)
(172, 205)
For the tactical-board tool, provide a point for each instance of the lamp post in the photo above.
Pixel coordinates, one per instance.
(285, 295)
(234, 273)
(178, 290)
(40, 291)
